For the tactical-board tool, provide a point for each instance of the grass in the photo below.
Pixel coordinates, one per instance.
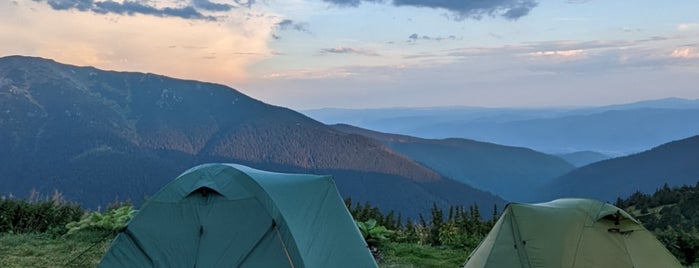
(633, 210)
(418, 256)
(41, 250)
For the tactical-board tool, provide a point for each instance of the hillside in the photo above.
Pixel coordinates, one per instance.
(583, 158)
(675, 163)
(503, 170)
(96, 135)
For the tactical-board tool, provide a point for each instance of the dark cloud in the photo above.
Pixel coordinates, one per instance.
(247, 3)
(351, 3)
(132, 7)
(344, 3)
(510, 9)
(349, 50)
(210, 6)
(82, 5)
(462, 9)
(291, 25)
(519, 11)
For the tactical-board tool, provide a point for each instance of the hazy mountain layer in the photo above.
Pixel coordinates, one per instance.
(613, 130)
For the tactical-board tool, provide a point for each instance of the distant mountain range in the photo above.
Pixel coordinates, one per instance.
(96, 135)
(504, 170)
(612, 130)
(675, 163)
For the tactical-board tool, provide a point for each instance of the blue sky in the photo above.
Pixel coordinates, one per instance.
(358, 54)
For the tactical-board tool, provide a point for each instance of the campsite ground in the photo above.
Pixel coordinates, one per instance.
(42, 250)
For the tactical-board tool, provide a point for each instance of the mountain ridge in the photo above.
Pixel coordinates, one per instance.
(674, 163)
(500, 169)
(583, 158)
(80, 129)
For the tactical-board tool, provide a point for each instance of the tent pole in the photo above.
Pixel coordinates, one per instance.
(288, 257)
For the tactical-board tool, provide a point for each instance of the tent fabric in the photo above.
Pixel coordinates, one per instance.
(228, 215)
(569, 233)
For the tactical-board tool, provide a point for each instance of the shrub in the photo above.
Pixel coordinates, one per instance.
(374, 235)
(21, 216)
(111, 221)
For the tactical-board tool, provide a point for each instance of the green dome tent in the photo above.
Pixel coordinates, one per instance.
(569, 233)
(227, 215)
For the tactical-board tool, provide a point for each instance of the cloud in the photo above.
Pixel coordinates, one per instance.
(630, 30)
(519, 11)
(509, 9)
(414, 37)
(133, 7)
(351, 3)
(573, 57)
(349, 50)
(462, 9)
(309, 74)
(611, 56)
(198, 9)
(219, 51)
(685, 53)
(498, 76)
(687, 26)
(211, 6)
(288, 24)
(559, 53)
(344, 3)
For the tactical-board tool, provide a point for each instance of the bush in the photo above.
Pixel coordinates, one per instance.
(683, 244)
(21, 216)
(374, 235)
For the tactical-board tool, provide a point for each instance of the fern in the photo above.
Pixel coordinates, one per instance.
(111, 220)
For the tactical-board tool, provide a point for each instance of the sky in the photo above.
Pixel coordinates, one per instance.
(306, 54)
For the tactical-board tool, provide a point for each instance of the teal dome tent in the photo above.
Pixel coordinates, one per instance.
(227, 215)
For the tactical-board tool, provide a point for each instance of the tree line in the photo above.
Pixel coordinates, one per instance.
(455, 227)
(672, 214)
